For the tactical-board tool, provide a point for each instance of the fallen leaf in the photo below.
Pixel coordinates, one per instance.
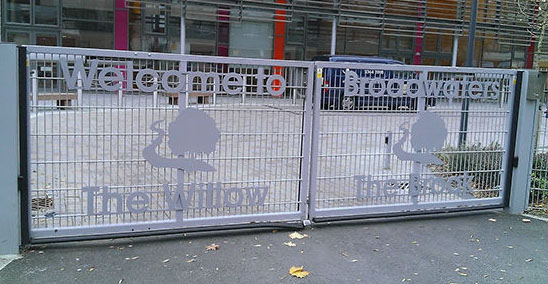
(493, 220)
(91, 269)
(525, 220)
(297, 271)
(290, 244)
(344, 254)
(191, 260)
(296, 235)
(212, 247)
(414, 242)
(135, 257)
(463, 274)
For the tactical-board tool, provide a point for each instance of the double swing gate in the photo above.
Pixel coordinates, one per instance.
(128, 143)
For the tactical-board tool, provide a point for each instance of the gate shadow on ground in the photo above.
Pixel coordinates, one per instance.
(409, 218)
(256, 230)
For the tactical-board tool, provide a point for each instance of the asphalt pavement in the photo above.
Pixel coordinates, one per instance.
(488, 247)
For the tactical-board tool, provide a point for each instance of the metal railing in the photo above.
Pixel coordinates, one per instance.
(538, 195)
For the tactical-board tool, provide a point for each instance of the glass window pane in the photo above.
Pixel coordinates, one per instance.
(251, 39)
(200, 37)
(88, 34)
(98, 10)
(358, 41)
(318, 37)
(18, 11)
(46, 39)
(45, 12)
(155, 43)
(18, 37)
(155, 19)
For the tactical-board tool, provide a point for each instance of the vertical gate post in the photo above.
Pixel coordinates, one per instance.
(531, 91)
(9, 151)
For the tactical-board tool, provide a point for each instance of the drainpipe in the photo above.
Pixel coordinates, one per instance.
(463, 128)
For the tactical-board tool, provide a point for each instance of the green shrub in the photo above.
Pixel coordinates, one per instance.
(482, 162)
(539, 180)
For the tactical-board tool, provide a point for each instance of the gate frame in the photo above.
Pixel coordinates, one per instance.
(293, 219)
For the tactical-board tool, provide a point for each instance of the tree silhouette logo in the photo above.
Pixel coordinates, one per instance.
(428, 134)
(193, 133)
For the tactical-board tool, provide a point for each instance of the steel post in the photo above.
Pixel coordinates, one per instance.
(469, 62)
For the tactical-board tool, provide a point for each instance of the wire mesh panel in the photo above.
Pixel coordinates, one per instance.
(538, 197)
(394, 138)
(132, 141)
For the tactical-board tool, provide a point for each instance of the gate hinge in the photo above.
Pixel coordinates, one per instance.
(515, 162)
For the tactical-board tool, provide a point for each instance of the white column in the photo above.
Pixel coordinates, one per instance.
(183, 32)
(9, 168)
(455, 50)
(333, 36)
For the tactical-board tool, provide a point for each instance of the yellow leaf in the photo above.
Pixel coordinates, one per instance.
(297, 271)
(294, 269)
(296, 235)
(290, 244)
(301, 274)
(212, 247)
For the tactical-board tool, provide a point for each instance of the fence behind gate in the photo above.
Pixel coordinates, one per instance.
(130, 142)
(538, 195)
(124, 142)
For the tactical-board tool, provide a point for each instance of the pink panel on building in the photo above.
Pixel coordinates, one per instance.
(121, 26)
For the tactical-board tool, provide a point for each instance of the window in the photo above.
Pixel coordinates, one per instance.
(88, 34)
(86, 25)
(18, 37)
(45, 12)
(18, 11)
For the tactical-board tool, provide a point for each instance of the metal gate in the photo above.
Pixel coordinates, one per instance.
(393, 140)
(125, 143)
(131, 142)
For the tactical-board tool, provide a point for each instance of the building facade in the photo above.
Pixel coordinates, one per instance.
(433, 32)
